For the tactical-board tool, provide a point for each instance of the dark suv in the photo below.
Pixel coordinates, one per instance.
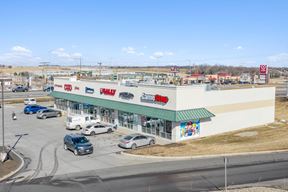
(77, 143)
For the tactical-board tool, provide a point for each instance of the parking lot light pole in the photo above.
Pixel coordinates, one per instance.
(3, 154)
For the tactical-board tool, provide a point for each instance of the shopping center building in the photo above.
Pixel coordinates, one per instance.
(172, 112)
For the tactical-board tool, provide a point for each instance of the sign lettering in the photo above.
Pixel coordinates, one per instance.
(67, 87)
(105, 91)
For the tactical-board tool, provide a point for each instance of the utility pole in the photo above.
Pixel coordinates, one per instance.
(225, 166)
(100, 68)
(80, 62)
(3, 154)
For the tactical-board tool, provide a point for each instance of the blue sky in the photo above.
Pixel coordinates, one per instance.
(147, 32)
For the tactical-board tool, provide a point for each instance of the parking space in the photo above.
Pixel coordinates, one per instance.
(43, 147)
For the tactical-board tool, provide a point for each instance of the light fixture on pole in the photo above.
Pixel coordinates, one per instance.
(3, 153)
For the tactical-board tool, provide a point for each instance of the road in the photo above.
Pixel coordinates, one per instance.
(190, 179)
(22, 95)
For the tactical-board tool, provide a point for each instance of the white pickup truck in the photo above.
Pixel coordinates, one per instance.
(80, 121)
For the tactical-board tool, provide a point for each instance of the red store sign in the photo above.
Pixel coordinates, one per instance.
(105, 91)
(158, 99)
(161, 99)
(67, 87)
(263, 69)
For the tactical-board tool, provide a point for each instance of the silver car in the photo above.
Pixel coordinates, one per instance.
(136, 140)
(97, 128)
(46, 113)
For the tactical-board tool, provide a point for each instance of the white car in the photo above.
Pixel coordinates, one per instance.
(80, 121)
(97, 128)
(30, 101)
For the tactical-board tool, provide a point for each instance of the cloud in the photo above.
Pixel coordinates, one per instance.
(20, 50)
(19, 55)
(159, 54)
(131, 50)
(61, 53)
(281, 58)
(239, 47)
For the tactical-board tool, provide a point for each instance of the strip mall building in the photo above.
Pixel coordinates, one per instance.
(172, 112)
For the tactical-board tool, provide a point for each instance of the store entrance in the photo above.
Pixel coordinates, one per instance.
(107, 115)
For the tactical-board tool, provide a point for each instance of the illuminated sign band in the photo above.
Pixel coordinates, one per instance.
(67, 87)
(105, 91)
(158, 99)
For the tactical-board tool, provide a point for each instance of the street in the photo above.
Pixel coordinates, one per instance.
(206, 179)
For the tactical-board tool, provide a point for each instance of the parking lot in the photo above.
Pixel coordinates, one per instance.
(43, 147)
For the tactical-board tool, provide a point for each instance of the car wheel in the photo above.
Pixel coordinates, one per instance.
(78, 127)
(134, 146)
(59, 115)
(109, 130)
(44, 116)
(92, 133)
(65, 147)
(30, 112)
(152, 142)
(75, 152)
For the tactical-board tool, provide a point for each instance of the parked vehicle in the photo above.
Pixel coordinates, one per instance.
(30, 101)
(77, 143)
(97, 128)
(80, 121)
(20, 88)
(136, 140)
(47, 113)
(30, 109)
(48, 88)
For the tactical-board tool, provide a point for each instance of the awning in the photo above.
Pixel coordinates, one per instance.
(175, 116)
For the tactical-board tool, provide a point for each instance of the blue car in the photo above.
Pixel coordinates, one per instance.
(30, 109)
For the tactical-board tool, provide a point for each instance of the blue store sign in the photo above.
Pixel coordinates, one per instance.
(89, 90)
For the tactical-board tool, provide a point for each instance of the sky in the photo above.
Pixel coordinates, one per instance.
(144, 32)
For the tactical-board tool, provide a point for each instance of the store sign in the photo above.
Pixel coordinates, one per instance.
(76, 88)
(105, 91)
(67, 87)
(89, 90)
(158, 99)
(126, 95)
(263, 70)
(56, 85)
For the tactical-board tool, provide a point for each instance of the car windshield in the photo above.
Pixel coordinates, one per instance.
(128, 137)
(80, 140)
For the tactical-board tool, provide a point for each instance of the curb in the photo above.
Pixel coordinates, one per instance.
(15, 171)
(201, 156)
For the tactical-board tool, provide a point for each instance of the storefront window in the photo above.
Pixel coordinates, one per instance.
(107, 115)
(155, 126)
(61, 104)
(127, 119)
(75, 107)
(90, 109)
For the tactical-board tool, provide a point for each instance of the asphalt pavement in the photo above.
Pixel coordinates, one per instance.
(190, 179)
(43, 150)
